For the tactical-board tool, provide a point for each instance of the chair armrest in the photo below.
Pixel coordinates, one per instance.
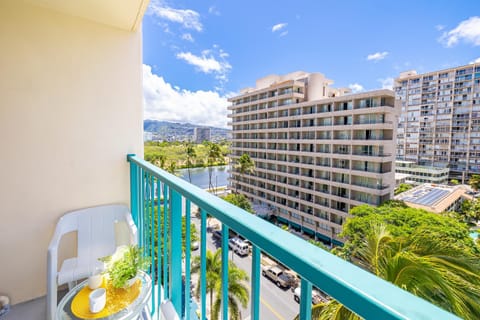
(132, 228)
(52, 255)
(57, 236)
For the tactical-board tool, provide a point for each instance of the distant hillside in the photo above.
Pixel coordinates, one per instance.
(171, 131)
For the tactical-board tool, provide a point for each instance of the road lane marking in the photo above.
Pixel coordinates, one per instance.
(269, 307)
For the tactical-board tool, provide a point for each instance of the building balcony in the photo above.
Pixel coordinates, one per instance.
(370, 154)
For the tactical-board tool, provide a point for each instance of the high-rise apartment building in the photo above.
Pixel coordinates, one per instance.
(202, 134)
(318, 151)
(439, 123)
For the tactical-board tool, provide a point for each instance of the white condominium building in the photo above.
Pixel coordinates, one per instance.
(440, 119)
(318, 151)
(202, 134)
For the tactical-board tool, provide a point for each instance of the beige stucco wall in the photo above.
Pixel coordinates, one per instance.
(70, 111)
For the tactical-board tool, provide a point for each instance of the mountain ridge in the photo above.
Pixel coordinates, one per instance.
(170, 131)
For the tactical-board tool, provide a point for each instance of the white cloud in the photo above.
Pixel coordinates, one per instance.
(387, 83)
(213, 10)
(279, 27)
(356, 87)
(188, 18)
(187, 37)
(203, 63)
(377, 56)
(467, 30)
(475, 61)
(164, 102)
(284, 33)
(206, 62)
(439, 27)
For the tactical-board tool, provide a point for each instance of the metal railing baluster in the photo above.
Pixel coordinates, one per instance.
(152, 238)
(305, 300)
(159, 240)
(255, 284)
(175, 248)
(187, 258)
(166, 292)
(203, 263)
(141, 236)
(224, 271)
(134, 190)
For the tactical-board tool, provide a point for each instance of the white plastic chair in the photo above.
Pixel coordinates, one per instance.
(96, 238)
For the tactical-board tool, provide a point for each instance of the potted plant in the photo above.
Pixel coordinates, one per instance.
(122, 267)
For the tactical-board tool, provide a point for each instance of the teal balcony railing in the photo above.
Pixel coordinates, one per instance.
(159, 196)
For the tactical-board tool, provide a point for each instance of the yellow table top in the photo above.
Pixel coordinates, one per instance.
(117, 300)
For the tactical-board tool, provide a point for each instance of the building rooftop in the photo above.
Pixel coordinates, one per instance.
(399, 176)
(401, 164)
(432, 197)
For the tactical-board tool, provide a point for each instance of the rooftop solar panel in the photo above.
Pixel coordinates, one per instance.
(431, 197)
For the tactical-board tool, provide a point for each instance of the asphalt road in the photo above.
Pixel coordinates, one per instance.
(275, 303)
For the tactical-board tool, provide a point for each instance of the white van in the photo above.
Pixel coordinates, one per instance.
(239, 246)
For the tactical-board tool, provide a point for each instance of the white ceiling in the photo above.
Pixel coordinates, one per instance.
(123, 14)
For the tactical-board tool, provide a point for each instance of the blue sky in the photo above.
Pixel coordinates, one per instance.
(198, 53)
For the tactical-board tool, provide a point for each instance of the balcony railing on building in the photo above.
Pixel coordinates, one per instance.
(159, 196)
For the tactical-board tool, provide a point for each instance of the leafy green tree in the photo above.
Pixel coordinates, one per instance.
(319, 244)
(470, 211)
(214, 154)
(237, 293)
(402, 188)
(245, 164)
(171, 168)
(240, 201)
(443, 275)
(394, 204)
(466, 206)
(407, 223)
(191, 155)
(474, 182)
(159, 244)
(156, 158)
(160, 161)
(454, 182)
(176, 152)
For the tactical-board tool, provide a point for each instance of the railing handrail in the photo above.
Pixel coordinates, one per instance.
(360, 291)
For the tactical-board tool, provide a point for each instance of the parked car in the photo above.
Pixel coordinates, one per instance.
(239, 246)
(317, 296)
(274, 273)
(217, 234)
(194, 245)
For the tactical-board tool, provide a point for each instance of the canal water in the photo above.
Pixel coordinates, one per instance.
(200, 176)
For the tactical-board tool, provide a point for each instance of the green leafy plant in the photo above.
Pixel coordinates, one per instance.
(124, 264)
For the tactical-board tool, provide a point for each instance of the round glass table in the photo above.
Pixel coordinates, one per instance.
(137, 309)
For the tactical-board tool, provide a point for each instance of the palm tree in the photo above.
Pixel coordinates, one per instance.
(171, 167)
(191, 154)
(160, 161)
(214, 154)
(237, 290)
(237, 293)
(244, 165)
(442, 275)
(213, 269)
